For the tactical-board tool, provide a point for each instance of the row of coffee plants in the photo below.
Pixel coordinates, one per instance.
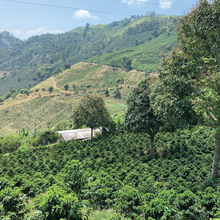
(70, 178)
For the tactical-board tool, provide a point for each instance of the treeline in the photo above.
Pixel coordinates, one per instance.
(7, 39)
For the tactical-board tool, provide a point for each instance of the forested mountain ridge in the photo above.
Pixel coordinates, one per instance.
(29, 62)
(7, 39)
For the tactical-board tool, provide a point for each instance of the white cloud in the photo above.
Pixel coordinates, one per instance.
(166, 4)
(130, 2)
(19, 34)
(84, 14)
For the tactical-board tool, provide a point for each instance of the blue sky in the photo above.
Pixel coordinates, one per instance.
(25, 20)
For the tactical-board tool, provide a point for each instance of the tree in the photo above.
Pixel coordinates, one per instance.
(140, 116)
(1, 100)
(66, 87)
(126, 63)
(91, 111)
(106, 93)
(117, 94)
(189, 79)
(48, 136)
(50, 89)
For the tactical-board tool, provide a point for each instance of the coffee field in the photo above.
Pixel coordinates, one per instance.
(72, 179)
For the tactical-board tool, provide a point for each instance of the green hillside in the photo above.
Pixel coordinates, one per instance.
(7, 39)
(141, 39)
(144, 56)
(118, 175)
(45, 109)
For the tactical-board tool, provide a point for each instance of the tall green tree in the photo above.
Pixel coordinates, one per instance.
(189, 79)
(140, 116)
(91, 111)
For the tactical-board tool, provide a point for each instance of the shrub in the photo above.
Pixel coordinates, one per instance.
(12, 202)
(10, 143)
(57, 204)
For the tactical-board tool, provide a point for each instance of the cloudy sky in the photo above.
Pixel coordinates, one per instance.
(25, 18)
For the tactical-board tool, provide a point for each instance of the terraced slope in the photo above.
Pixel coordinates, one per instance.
(43, 108)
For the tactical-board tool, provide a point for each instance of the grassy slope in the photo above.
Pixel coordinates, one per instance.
(23, 112)
(144, 56)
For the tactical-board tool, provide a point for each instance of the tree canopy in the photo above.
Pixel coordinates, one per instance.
(91, 111)
(140, 116)
(189, 79)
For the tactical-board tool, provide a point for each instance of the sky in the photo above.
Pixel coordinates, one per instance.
(26, 18)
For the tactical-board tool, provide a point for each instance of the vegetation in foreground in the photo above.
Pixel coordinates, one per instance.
(117, 172)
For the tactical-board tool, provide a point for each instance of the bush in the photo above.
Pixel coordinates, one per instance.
(57, 204)
(10, 143)
(12, 202)
(48, 136)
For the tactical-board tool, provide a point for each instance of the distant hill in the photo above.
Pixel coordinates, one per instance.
(140, 39)
(7, 39)
(44, 109)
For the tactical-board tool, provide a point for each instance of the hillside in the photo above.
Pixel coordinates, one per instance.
(125, 181)
(7, 39)
(141, 39)
(44, 109)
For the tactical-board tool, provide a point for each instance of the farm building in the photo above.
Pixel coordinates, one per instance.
(77, 134)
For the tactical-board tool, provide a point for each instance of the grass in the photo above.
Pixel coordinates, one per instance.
(99, 215)
(144, 56)
(46, 109)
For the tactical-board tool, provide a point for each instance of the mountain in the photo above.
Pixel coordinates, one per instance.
(7, 39)
(141, 40)
(45, 109)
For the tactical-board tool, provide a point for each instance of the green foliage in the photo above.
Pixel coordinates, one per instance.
(74, 176)
(50, 89)
(57, 204)
(188, 79)
(91, 111)
(7, 39)
(117, 93)
(117, 172)
(39, 57)
(23, 133)
(66, 87)
(48, 136)
(62, 125)
(12, 203)
(140, 116)
(10, 143)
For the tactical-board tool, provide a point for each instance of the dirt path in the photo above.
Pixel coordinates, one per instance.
(129, 78)
(54, 83)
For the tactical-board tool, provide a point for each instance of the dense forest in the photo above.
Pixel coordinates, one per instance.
(31, 61)
(7, 39)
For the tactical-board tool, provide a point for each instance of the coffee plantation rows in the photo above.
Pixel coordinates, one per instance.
(70, 179)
